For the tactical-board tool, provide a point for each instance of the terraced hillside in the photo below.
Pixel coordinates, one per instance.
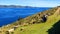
(40, 23)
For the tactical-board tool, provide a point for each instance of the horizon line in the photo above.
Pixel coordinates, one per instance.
(29, 6)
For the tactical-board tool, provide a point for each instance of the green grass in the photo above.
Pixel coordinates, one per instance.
(41, 28)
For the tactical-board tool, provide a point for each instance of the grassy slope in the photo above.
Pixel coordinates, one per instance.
(41, 28)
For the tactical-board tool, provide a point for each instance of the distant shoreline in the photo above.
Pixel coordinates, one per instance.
(13, 6)
(16, 6)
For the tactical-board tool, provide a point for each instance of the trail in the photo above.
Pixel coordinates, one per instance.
(57, 11)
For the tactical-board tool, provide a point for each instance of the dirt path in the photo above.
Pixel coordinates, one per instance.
(57, 12)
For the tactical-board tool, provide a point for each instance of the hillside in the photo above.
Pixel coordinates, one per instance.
(39, 23)
(42, 28)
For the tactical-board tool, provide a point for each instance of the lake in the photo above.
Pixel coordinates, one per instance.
(9, 15)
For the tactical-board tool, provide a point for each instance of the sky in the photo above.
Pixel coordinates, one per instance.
(34, 3)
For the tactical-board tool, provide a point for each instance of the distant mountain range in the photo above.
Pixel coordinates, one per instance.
(12, 6)
(16, 6)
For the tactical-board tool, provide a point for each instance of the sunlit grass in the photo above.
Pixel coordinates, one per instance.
(41, 28)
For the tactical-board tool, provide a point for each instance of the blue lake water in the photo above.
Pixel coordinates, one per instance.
(9, 15)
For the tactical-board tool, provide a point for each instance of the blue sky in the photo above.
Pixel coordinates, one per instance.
(34, 3)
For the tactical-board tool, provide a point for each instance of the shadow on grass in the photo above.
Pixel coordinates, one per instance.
(55, 29)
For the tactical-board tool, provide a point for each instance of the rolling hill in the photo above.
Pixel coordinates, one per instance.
(43, 28)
